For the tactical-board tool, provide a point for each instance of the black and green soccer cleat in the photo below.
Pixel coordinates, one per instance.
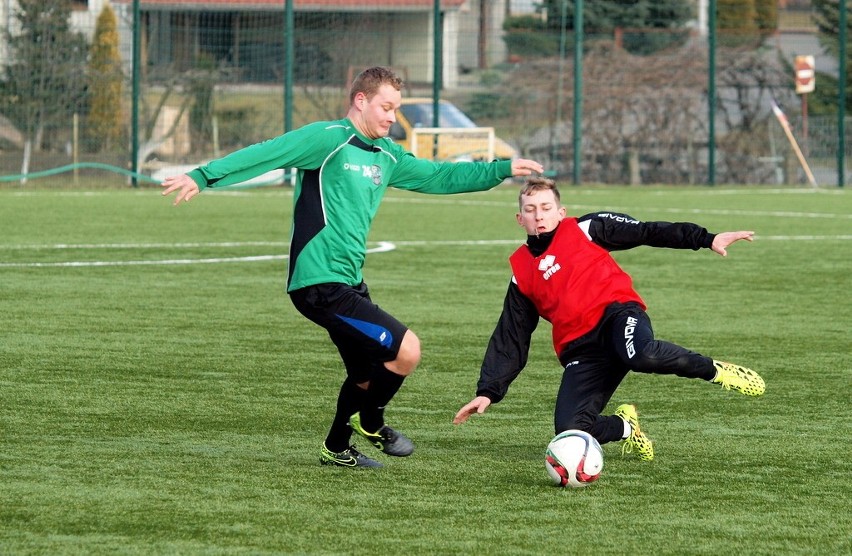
(389, 441)
(743, 380)
(637, 439)
(350, 457)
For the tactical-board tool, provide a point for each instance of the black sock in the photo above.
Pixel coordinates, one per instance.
(349, 402)
(384, 384)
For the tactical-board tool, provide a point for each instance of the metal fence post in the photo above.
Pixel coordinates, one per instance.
(841, 99)
(711, 92)
(289, 41)
(578, 89)
(134, 112)
(437, 69)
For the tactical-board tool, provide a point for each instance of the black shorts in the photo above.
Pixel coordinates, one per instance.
(365, 335)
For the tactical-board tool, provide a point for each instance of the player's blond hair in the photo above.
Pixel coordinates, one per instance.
(369, 81)
(534, 185)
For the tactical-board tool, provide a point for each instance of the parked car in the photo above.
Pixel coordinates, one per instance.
(459, 138)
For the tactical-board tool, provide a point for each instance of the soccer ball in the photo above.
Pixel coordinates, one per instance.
(574, 458)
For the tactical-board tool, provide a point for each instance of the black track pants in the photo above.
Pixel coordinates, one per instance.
(597, 363)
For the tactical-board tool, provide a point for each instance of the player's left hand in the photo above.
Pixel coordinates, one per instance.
(477, 405)
(723, 240)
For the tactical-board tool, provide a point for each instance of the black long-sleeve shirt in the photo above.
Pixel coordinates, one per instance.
(509, 345)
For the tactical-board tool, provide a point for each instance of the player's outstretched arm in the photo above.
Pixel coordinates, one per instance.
(183, 184)
(477, 405)
(723, 240)
(524, 167)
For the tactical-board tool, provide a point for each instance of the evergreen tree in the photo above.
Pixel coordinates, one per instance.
(105, 121)
(767, 15)
(826, 15)
(43, 85)
(736, 21)
(603, 17)
(739, 15)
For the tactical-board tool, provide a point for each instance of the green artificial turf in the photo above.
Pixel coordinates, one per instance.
(160, 395)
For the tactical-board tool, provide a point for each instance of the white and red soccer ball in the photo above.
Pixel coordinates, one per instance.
(574, 458)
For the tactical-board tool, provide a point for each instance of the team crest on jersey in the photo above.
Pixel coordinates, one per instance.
(376, 174)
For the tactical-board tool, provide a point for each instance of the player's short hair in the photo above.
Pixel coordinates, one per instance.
(369, 81)
(534, 185)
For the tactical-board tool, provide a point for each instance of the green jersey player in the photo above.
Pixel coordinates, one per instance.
(343, 169)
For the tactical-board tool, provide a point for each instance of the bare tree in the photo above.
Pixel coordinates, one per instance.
(645, 117)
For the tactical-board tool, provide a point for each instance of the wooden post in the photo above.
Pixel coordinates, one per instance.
(786, 125)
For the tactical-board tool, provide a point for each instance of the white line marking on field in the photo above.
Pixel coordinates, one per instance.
(382, 247)
(161, 262)
(805, 238)
(593, 208)
(737, 212)
(461, 242)
(288, 192)
(82, 246)
(473, 199)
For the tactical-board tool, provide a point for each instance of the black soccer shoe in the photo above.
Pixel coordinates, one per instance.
(388, 440)
(350, 457)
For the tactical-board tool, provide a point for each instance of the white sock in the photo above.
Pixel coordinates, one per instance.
(627, 430)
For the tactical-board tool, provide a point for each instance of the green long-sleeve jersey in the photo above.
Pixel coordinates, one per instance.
(341, 179)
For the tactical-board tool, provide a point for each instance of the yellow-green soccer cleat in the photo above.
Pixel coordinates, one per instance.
(734, 377)
(350, 457)
(637, 439)
(389, 441)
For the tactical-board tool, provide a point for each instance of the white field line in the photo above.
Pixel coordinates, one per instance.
(381, 247)
(593, 208)
(84, 246)
(575, 192)
(162, 262)
(805, 238)
(471, 199)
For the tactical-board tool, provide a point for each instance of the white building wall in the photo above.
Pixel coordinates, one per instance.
(8, 23)
(523, 7)
(410, 47)
(450, 47)
(82, 21)
(468, 34)
(496, 52)
(85, 21)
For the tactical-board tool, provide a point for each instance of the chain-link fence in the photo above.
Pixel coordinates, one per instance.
(208, 77)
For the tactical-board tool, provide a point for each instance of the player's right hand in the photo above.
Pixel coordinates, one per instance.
(524, 167)
(477, 405)
(183, 184)
(724, 239)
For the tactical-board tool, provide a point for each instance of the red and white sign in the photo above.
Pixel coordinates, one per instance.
(805, 76)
